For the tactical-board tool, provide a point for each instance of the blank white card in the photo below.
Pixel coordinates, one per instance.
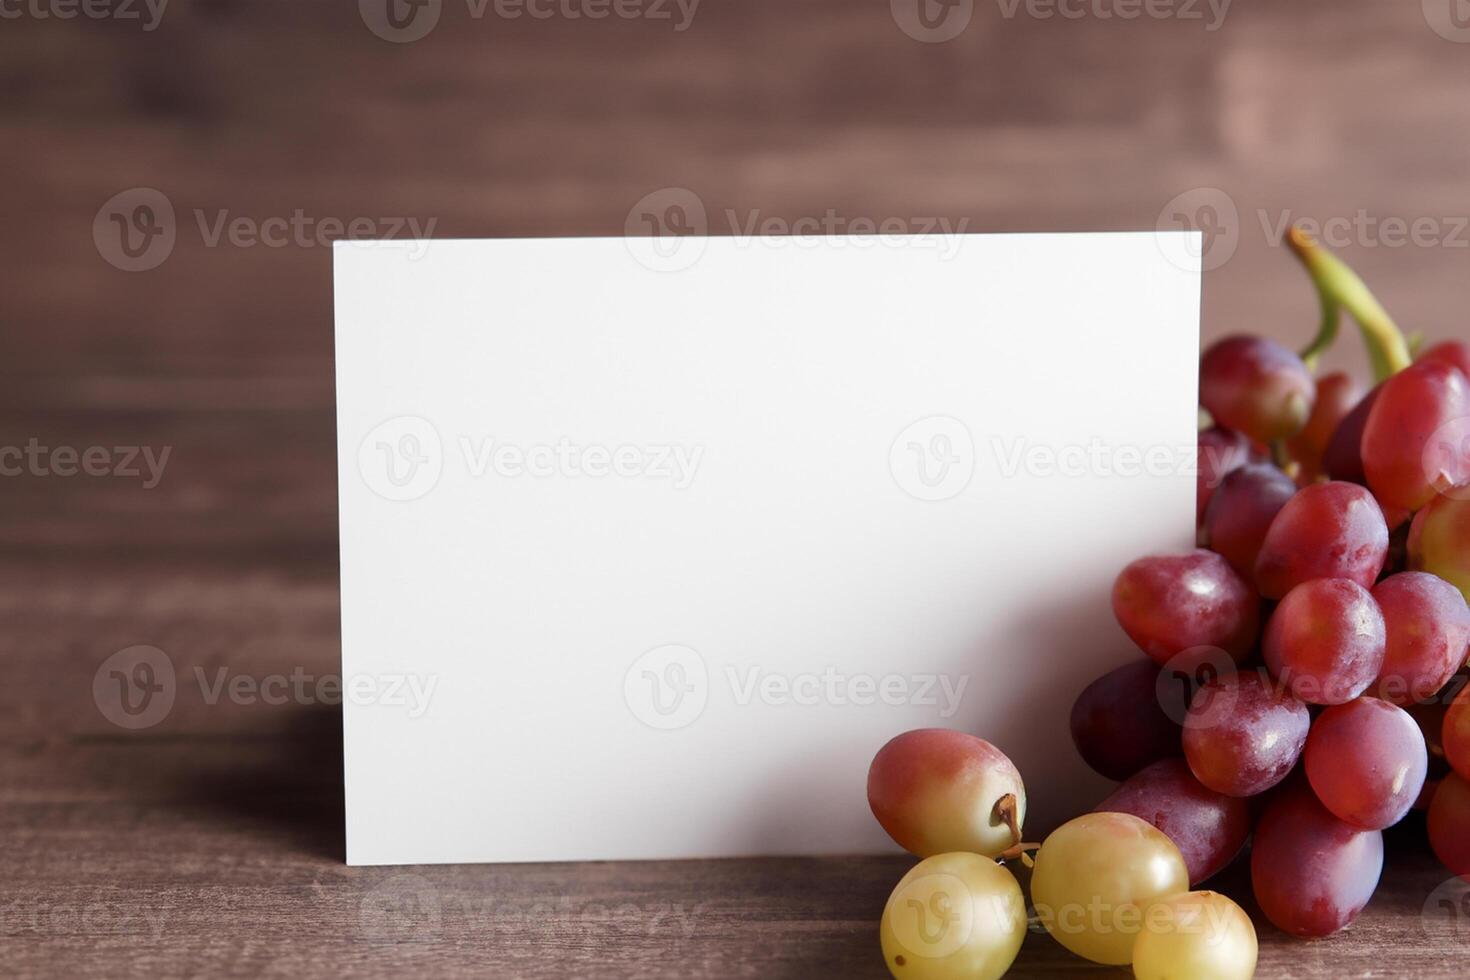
(646, 559)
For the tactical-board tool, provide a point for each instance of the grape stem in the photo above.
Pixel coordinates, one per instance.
(1339, 287)
(1326, 330)
(1005, 812)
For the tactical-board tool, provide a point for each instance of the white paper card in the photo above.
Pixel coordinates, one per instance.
(640, 563)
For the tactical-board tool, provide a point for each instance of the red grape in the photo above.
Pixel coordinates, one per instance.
(1343, 459)
(1449, 824)
(1428, 630)
(1170, 603)
(1326, 641)
(1452, 352)
(1366, 762)
(1241, 511)
(1336, 396)
(1311, 872)
(1209, 828)
(1219, 453)
(1410, 408)
(1257, 387)
(1439, 541)
(1455, 733)
(1328, 530)
(936, 790)
(1118, 724)
(1242, 735)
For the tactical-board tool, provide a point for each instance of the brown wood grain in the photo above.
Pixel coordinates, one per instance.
(210, 845)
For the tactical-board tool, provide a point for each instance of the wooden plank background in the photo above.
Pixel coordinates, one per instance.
(211, 843)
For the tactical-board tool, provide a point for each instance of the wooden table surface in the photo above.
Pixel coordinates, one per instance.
(210, 843)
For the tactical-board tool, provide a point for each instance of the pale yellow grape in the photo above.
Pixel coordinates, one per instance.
(955, 916)
(1198, 935)
(1096, 877)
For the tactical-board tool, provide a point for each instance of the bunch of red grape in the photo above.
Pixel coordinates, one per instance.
(1300, 659)
(1301, 691)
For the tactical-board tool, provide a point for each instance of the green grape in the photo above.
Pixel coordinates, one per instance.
(955, 916)
(1199, 935)
(1096, 878)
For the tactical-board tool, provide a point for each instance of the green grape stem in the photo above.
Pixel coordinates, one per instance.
(1339, 287)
